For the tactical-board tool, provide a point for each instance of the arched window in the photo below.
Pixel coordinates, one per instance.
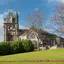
(32, 36)
(13, 20)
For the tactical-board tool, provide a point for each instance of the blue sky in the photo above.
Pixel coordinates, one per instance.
(25, 7)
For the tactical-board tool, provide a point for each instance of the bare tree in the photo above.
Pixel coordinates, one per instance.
(58, 18)
(36, 19)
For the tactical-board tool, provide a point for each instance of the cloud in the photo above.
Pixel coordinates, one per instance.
(36, 9)
(23, 27)
(1, 25)
(62, 1)
(62, 35)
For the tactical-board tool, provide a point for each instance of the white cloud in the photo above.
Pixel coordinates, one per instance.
(62, 35)
(62, 1)
(1, 25)
(23, 27)
(36, 9)
(2, 18)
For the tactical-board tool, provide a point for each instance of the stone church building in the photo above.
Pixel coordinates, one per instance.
(13, 33)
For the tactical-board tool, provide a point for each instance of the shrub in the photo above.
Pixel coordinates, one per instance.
(14, 46)
(17, 47)
(28, 45)
(5, 48)
(20, 47)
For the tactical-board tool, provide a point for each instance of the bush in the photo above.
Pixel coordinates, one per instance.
(14, 46)
(5, 48)
(20, 47)
(17, 47)
(28, 45)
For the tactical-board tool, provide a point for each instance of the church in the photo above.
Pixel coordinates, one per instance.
(13, 33)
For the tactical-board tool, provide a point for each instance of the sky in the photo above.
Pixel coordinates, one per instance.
(25, 7)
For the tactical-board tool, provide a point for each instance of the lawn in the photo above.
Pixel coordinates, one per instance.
(57, 54)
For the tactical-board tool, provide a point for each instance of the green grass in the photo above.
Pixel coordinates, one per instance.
(57, 54)
(29, 63)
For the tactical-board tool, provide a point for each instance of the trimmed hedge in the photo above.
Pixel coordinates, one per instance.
(16, 47)
(28, 45)
(5, 48)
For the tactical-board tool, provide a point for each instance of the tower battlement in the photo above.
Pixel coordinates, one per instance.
(11, 26)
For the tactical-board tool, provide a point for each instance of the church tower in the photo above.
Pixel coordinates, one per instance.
(11, 26)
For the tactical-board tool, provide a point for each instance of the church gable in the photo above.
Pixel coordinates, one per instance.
(32, 35)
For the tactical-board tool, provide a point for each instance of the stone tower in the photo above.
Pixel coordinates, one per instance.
(11, 26)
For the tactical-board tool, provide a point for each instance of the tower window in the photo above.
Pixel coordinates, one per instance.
(13, 20)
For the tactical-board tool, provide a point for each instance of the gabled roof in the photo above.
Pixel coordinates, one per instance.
(30, 30)
(27, 31)
(44, 31)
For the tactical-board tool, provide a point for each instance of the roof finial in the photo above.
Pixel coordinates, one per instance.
(10, 12)
(10, 9)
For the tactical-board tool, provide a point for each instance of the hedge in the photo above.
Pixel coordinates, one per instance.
(28, 45)
(16, 47)
(5, 48)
